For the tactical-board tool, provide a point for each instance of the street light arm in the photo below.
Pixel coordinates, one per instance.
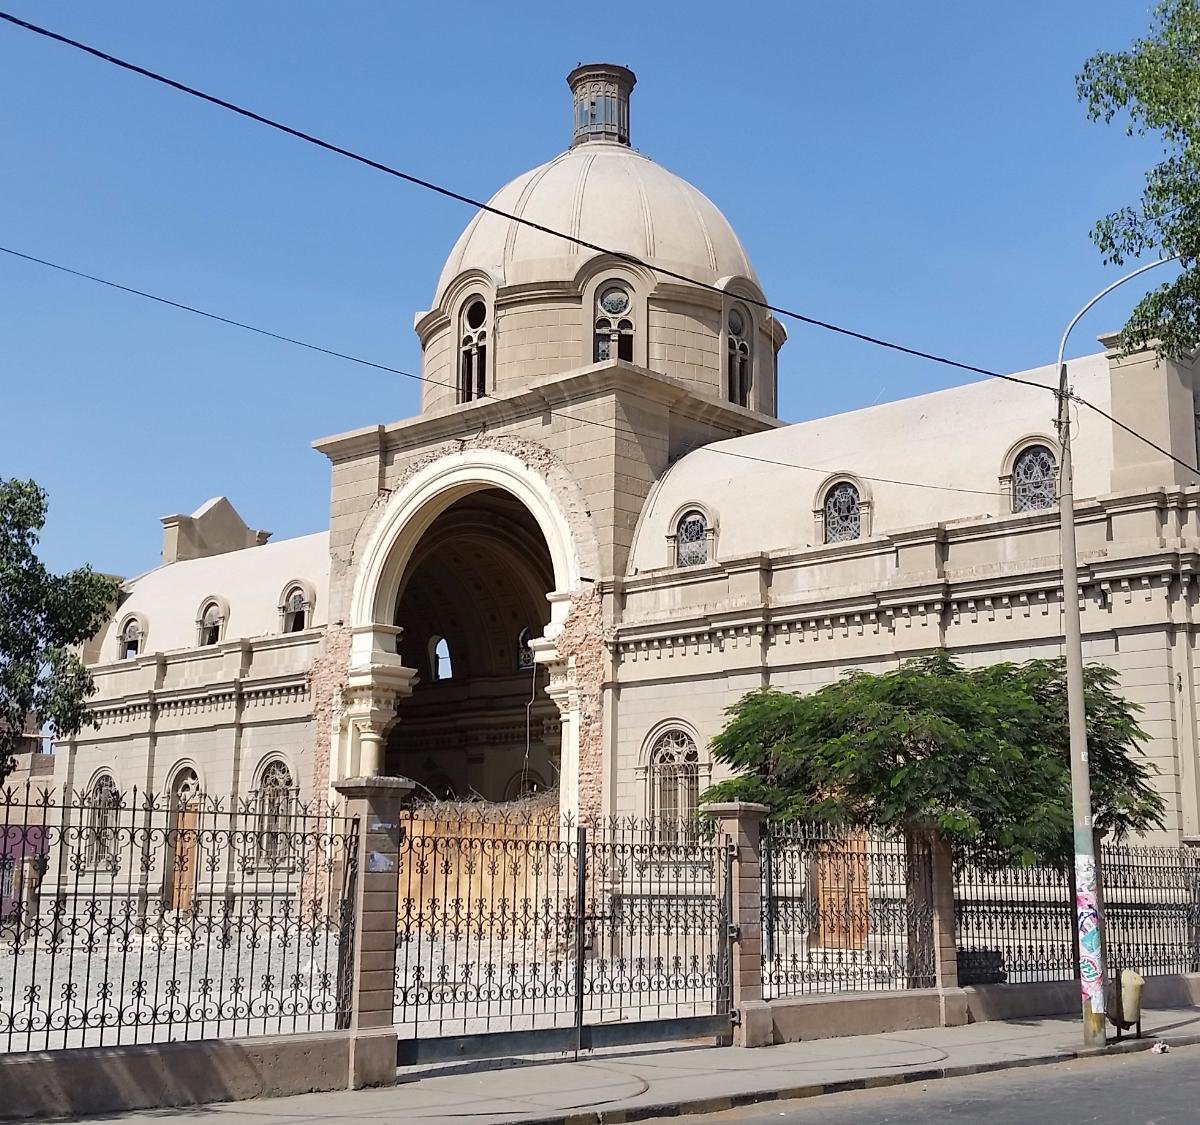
(1062, 346)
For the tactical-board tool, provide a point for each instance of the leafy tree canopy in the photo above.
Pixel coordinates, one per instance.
(1155, 88)
(42, 617)
(982, 756)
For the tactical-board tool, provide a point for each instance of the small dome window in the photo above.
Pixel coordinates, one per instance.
(1034, 479)
(843, 513)
(613, 338)
(211, 621)
(441, 667)
(295, 611)
(737, 358)
(472, 364)
(131, 639)
(691, 540)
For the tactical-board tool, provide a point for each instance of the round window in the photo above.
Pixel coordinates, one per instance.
(736, 323)
(614, 300)
(476, 314)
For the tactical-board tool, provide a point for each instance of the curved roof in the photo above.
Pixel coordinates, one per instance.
(250, 580)
(948, 447)
(606, 194)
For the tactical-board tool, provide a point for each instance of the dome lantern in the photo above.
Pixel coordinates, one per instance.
(601, 102)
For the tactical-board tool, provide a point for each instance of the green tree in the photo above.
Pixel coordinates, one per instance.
(1155, 88)
(981, 756)
(42, 618)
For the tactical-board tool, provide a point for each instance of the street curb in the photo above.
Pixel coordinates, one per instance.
(720, 1103)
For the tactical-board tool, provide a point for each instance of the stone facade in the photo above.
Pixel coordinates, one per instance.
(597, 534)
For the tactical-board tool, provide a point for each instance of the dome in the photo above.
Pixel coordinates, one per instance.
(604, 192)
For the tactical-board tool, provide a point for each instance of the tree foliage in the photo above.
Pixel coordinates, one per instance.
(982, 756)
(1155, 88)
(42, 617)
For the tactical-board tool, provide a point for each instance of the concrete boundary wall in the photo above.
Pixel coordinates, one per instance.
(793, 1020)
(88, 1081)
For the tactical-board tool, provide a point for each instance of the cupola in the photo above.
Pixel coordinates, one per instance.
(601, 100)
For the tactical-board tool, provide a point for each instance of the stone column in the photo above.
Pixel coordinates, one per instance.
(740, 823)
(376, 683)
(563, 690)
(375, 803)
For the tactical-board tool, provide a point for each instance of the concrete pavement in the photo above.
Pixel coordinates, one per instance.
(683, 1079)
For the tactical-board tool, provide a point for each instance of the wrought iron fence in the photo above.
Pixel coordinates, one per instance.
(1013, 924)
(521, 920)
(844, 911)
(1151, 909)
(133, 918)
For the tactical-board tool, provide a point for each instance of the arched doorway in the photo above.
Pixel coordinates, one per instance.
(478, 723)
(183, 840)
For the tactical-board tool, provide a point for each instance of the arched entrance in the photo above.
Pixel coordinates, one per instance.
(478, 722)
(474, 556)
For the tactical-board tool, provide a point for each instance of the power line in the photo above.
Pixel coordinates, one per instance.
(1130, 430)
(196, 311)
(482, 205)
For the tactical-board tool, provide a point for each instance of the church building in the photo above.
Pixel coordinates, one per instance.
(597, 534)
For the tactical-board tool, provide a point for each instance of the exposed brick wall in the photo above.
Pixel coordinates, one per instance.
(582, 638)
(326, 680)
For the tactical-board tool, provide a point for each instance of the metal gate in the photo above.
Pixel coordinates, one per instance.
(524, 933)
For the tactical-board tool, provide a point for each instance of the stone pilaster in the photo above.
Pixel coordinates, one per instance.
(374, 802)
(740, 822)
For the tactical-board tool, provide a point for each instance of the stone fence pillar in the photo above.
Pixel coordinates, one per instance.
(375, 802)
(741, 824)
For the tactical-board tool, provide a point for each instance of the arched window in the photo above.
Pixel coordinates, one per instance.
(274, 803)
(673, 780)
(691, 540)
(472, 356)
(843, 513)
(737, 359)
(103, 804)
(295, 611)
(1034, 479)
(614, 328)
(441, 667)
(131, 639)
(211, 621)
(524, 652)
(524, 784)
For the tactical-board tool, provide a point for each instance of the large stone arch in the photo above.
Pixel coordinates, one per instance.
(378, 678)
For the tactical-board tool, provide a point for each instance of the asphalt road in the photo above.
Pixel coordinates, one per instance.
(1136, 1089)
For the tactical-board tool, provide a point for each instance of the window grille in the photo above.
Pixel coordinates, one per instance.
(691, 540)
(103, 803)
(843, 513)
(275, 801)
(673, 781)
(1034, 480)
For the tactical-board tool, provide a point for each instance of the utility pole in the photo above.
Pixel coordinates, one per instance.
(1092, 961)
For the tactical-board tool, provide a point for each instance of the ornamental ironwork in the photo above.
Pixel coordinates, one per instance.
(843, 513)
(139, 918)
(673, 777)
(1034, 480)
(691, 540)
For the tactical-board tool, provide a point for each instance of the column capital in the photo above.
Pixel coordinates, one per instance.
(375, 787)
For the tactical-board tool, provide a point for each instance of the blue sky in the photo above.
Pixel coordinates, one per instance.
(919, 171)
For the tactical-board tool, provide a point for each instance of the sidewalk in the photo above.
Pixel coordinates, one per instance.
(684, 1079)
